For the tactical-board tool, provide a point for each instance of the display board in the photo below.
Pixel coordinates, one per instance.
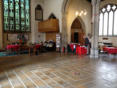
(58, 40)
(14, 37)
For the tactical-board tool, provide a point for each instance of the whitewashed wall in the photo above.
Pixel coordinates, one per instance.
(35, 35)
(55, 7)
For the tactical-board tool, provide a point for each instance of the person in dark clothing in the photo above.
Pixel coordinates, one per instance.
(87, 44)
(87, 41)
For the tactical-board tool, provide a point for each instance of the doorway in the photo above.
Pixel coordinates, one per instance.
(77, 32)
(76, 37)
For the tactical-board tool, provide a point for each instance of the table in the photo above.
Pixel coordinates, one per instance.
(72, 46)
(34, 48)
(80, 50)
(110, 50)
(13, 47)
(37, 46)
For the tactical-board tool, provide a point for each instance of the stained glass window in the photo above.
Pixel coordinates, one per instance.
(108, 20)
(16, 15)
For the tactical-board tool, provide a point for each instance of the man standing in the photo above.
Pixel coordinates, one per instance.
(87, 44)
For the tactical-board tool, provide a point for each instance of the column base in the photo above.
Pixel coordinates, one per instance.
(94, 54)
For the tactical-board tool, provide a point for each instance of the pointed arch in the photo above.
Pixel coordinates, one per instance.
(52, 16)
(79, 19)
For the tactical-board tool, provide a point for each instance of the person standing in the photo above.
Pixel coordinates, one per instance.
(87, 44)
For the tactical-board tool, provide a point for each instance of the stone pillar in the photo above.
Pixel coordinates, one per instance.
(64, 39)
(1, 25)
(95, 28)
(33, 27)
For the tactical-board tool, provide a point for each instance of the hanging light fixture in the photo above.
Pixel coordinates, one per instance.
(82, 12)
(76, 13)
(85, 13)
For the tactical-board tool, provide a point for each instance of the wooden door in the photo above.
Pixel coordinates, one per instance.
(81, 39)
(51, 36)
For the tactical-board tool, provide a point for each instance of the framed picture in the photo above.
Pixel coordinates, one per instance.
(38, 13)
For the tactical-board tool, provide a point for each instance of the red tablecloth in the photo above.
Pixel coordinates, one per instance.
(110, 50)
(81, 50)
(13, 47)
(37, 46)
(72, 46)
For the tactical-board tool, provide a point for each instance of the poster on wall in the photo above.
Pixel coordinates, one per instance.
(58, 40)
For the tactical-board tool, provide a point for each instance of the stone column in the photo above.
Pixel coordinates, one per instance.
(64, 35)
(95, 28)
(1, 25)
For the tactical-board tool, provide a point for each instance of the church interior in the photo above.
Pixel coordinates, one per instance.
(58, 43)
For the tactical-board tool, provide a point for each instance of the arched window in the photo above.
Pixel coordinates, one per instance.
(16, 15)
(108, 20)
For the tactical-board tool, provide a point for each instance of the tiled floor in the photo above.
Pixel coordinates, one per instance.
(51, 70)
